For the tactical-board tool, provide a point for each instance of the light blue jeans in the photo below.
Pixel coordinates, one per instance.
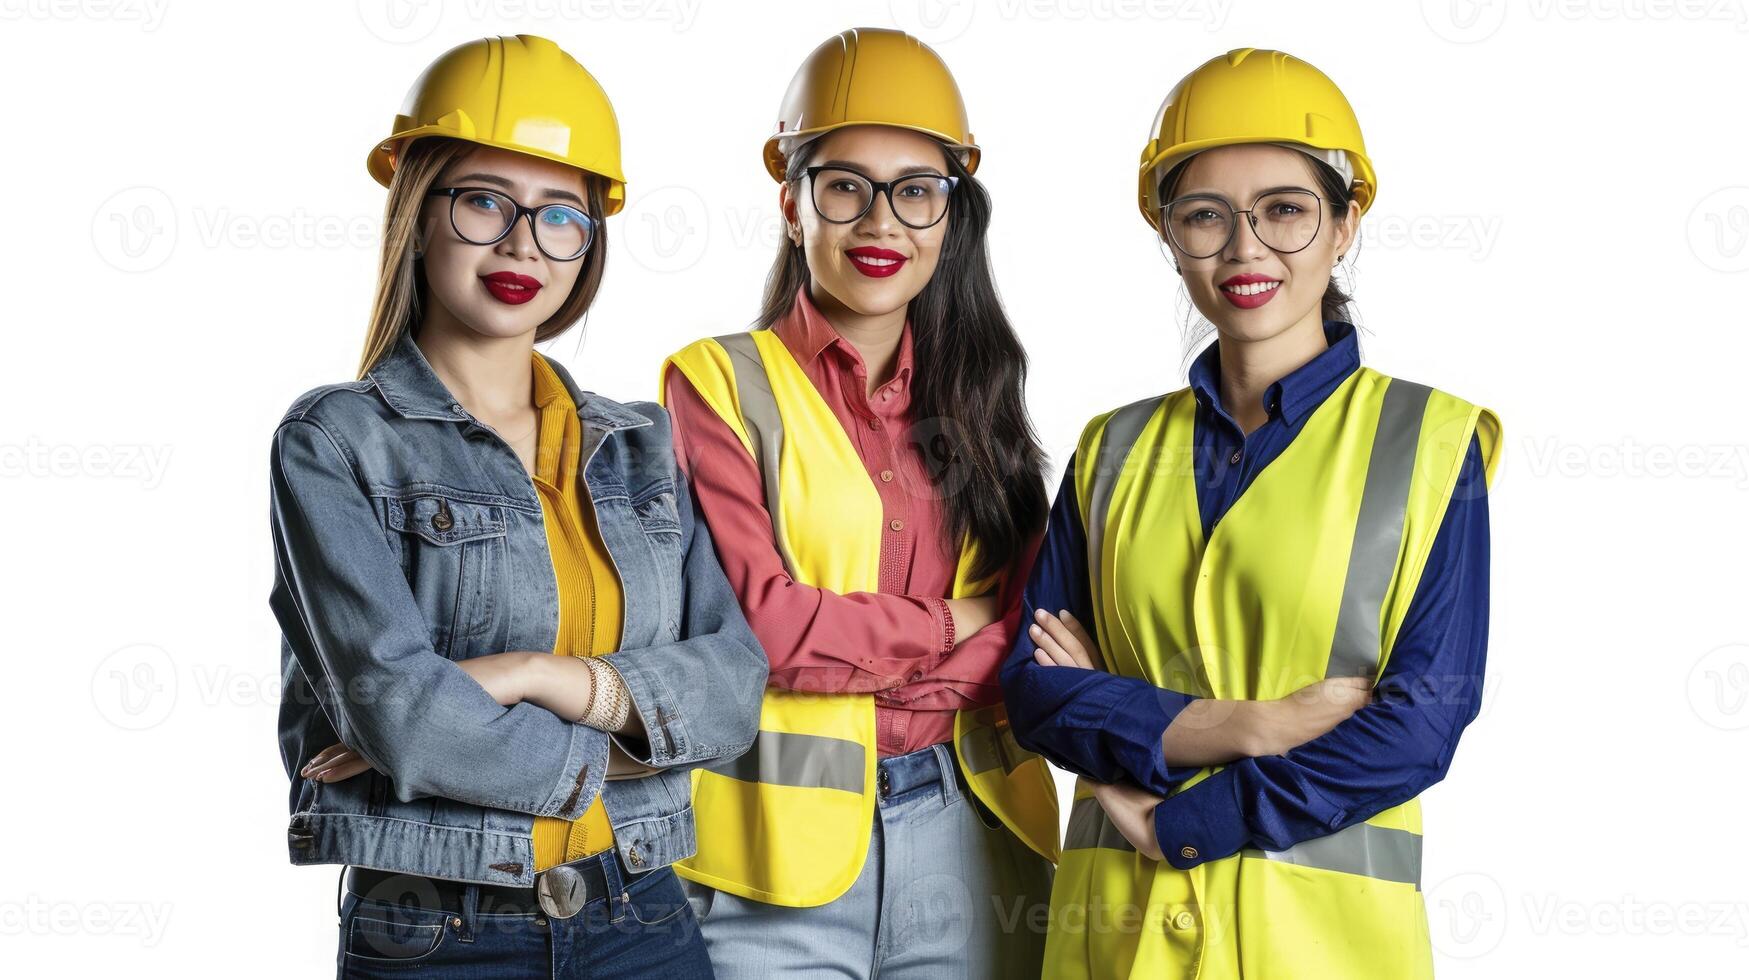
(946, 891)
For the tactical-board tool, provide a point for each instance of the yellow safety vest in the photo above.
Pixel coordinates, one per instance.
(1308, 575)
(788, 823)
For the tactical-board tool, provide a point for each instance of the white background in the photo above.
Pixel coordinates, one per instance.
(1562, 235)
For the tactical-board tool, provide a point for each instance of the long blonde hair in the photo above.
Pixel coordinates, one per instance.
(401, 276)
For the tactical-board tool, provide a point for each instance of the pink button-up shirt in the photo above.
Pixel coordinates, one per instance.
(892, 642)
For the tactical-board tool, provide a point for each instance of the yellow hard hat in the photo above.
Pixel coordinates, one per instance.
(520, 93)
(1250, 95)
(871, 76)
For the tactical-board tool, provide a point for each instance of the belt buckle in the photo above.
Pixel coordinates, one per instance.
(562, 891)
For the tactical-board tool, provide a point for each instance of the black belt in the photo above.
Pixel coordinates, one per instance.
(560, 891)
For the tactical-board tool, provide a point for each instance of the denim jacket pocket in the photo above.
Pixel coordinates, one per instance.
(658, 516)
(452, 550)
(657, 511)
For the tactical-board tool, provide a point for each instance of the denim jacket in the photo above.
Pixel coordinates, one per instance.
(407, 536)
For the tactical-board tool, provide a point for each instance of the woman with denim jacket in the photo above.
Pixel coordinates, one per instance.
(446, 524)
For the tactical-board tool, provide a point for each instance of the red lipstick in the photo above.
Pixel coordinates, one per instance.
(876, 263)
(509, 287)
(1259, 290)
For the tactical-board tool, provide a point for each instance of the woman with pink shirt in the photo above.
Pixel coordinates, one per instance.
(865, 463)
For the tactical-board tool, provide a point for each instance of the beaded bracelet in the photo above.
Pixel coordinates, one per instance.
(610, 713)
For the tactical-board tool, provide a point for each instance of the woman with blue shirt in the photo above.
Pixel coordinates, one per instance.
(1259, 617)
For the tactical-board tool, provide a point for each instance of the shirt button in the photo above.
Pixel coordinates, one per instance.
(897, 525)
(1234, 458)
(1187, 851)
(916, 675)
(1183, 920)
(886, 476)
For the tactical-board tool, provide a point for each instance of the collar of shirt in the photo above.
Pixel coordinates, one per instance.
(555, 441)
(808, 335)
(1304, 389)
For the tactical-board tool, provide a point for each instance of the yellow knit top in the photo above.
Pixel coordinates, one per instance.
(590, 598)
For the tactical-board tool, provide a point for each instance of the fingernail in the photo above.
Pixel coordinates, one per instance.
(1039, 614)
(1063, 614)
(1034, 630)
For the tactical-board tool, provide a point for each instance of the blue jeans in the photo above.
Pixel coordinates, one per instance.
(646, 929)
(946, 892)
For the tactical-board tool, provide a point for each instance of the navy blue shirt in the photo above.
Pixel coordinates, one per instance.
(1108, 728)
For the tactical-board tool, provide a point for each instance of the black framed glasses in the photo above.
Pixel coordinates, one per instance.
(482, 216)
(842, 195)
(1202, 225)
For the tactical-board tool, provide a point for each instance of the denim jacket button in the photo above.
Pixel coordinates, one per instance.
(634, 857)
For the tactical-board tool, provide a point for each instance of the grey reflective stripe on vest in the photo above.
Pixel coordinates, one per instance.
(1378, 533)
(1090, 827)
(764, 424)
(1362, 849)
(791, 759)
(781, 758)
(1121, 432)
(988, 746)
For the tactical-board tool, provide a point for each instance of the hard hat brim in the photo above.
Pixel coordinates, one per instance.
(1364, 189)
(776, 164)
(381, 164)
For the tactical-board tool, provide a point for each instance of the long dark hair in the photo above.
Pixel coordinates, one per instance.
(1334, 190)
(968, 383)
